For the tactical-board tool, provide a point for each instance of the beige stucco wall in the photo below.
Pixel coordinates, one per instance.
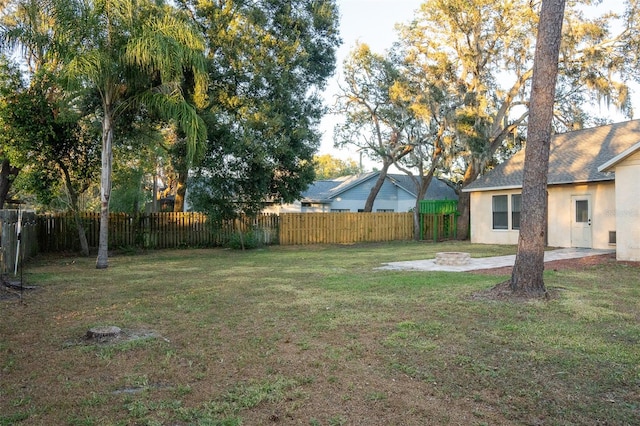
(603, 218)
(482, 231)
(628, 208)
(559, 226)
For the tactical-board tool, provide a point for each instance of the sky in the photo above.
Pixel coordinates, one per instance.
(372, 22)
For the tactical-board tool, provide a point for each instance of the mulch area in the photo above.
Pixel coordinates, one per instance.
(564, 264)
(503, 291)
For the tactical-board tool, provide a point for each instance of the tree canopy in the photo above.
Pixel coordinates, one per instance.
(480, 54)
(269, 61)
(328, 166)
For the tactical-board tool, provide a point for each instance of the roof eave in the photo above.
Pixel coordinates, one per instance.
(509, 187)
(610, 165)
(492, 188)
(365, 177)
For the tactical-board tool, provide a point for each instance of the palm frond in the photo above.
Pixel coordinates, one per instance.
(168, 103)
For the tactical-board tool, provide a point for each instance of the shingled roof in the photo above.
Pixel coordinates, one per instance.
(323, 191)
(574, 157)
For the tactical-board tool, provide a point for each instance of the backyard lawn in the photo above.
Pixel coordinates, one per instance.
(316, 336)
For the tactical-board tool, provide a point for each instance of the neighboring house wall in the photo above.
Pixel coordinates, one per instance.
(561, 214)
(628, 208)
(314, 208)
(350, 193)
(406, 201)
(354, 198)
(282, 208)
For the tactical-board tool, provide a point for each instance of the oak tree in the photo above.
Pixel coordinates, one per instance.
(375, 122)
(489, 48)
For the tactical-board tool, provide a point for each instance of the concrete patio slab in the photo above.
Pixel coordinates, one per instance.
(489, 262)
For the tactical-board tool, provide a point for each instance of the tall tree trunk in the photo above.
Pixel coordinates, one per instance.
(73, 199)
(102, 261)
(84, 244)
(7, 174)
(464, 210)
(181, 190)
(181, 167)
(368, 205)
(527, 276)
(424, 183)
(154, 203)
(464, 201)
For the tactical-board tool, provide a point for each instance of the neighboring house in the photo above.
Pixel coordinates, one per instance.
(349, 194)
(593, 193)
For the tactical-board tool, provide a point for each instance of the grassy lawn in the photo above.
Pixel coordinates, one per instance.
(316, 336)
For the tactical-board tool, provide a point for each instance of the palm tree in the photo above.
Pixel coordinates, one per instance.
(137, 54)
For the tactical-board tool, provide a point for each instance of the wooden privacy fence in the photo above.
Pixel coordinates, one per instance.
(58, 232)
(438, 227)
(438, 219)
(171, 230)
(28, 246)
(344, 228)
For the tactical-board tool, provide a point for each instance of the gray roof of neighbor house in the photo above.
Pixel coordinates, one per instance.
(574, 157)
(324, 191)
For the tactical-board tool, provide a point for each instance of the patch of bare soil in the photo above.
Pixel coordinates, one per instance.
(564, 264)
(503, 292)
(10, 290)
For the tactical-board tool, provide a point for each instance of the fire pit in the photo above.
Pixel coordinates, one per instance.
(452, 258)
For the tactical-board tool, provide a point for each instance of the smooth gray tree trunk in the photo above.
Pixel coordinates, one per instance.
(102, 261)
(368, 205)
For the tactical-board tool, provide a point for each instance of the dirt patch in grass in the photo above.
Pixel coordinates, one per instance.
(502, 291)
(564, 264)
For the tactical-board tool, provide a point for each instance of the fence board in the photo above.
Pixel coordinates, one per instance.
(172, 230)
(9, 254)
(344, 228)
(155, 231)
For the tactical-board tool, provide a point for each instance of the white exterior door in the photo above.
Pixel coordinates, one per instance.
(581, 221)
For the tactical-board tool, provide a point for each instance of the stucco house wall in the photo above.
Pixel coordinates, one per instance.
(627, 201)
(603, 219)
(560, 213)
(482, 231)
(593, 192)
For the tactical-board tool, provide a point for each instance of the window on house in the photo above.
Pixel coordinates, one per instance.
(582, 211)
(384, 210)
(500, 212)
(516, 200)
(340, 210)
